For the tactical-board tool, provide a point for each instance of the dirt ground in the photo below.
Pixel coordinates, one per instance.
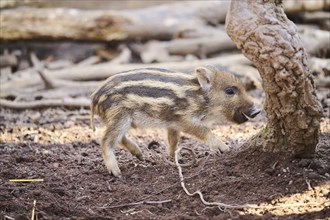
(58, 146)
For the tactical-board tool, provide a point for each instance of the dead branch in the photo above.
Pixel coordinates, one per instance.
(8, 60)
(57, 93)
(6, 74)
(58, 64)
(65, 102)
(201, 46)
(155, 51)
(124, 56)
(89, 61)
(62, 88)
(49, 84)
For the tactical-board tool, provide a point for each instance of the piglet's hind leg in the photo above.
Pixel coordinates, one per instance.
(132, 147)
(112, 135)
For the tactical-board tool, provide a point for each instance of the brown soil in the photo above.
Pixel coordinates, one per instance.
(58, 146)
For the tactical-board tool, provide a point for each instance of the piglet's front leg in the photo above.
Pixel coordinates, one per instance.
(215, 144)
(205, 135)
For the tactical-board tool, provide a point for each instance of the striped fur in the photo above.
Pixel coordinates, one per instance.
(151, 90)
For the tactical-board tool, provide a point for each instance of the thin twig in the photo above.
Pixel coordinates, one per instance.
(33, 209)
(274, 165)
(136, 203)
(308, 182)
(25, 180)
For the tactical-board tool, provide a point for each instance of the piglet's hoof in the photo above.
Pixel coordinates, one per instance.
(115, 172)
(219, 149)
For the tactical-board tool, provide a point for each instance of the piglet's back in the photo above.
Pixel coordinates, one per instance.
(147, 88)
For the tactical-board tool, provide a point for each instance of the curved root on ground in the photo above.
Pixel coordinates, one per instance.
(225, 207)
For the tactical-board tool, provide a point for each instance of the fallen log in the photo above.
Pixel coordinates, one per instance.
(155, 50)
(293, 6)
(320, 18)
(184, 19)
(320, 68)
(201, 46)
(159, 22)
(316, 42)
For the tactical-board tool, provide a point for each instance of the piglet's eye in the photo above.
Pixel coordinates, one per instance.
(230, 91)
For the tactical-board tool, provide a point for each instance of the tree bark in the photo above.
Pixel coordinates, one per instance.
(262, 31)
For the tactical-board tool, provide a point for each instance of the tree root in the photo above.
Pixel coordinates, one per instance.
(194, 161)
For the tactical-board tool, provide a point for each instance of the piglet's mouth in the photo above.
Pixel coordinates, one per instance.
(240, 117)
(243, 115)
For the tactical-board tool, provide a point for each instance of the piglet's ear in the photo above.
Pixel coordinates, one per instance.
(205, 78)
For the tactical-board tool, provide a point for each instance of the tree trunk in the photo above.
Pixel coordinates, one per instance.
(262, 31)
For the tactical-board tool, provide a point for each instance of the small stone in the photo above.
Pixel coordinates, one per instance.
(56, 165)
(35, 116)
(68, 124)
(46, 152)
(36, 139)
(270, 171)
(304, 162)
(84, 154)
(313, 175)
(153, 145)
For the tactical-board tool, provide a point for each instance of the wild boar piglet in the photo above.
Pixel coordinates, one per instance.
(161, 98)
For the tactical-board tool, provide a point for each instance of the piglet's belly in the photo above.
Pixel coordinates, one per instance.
(141, 120)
